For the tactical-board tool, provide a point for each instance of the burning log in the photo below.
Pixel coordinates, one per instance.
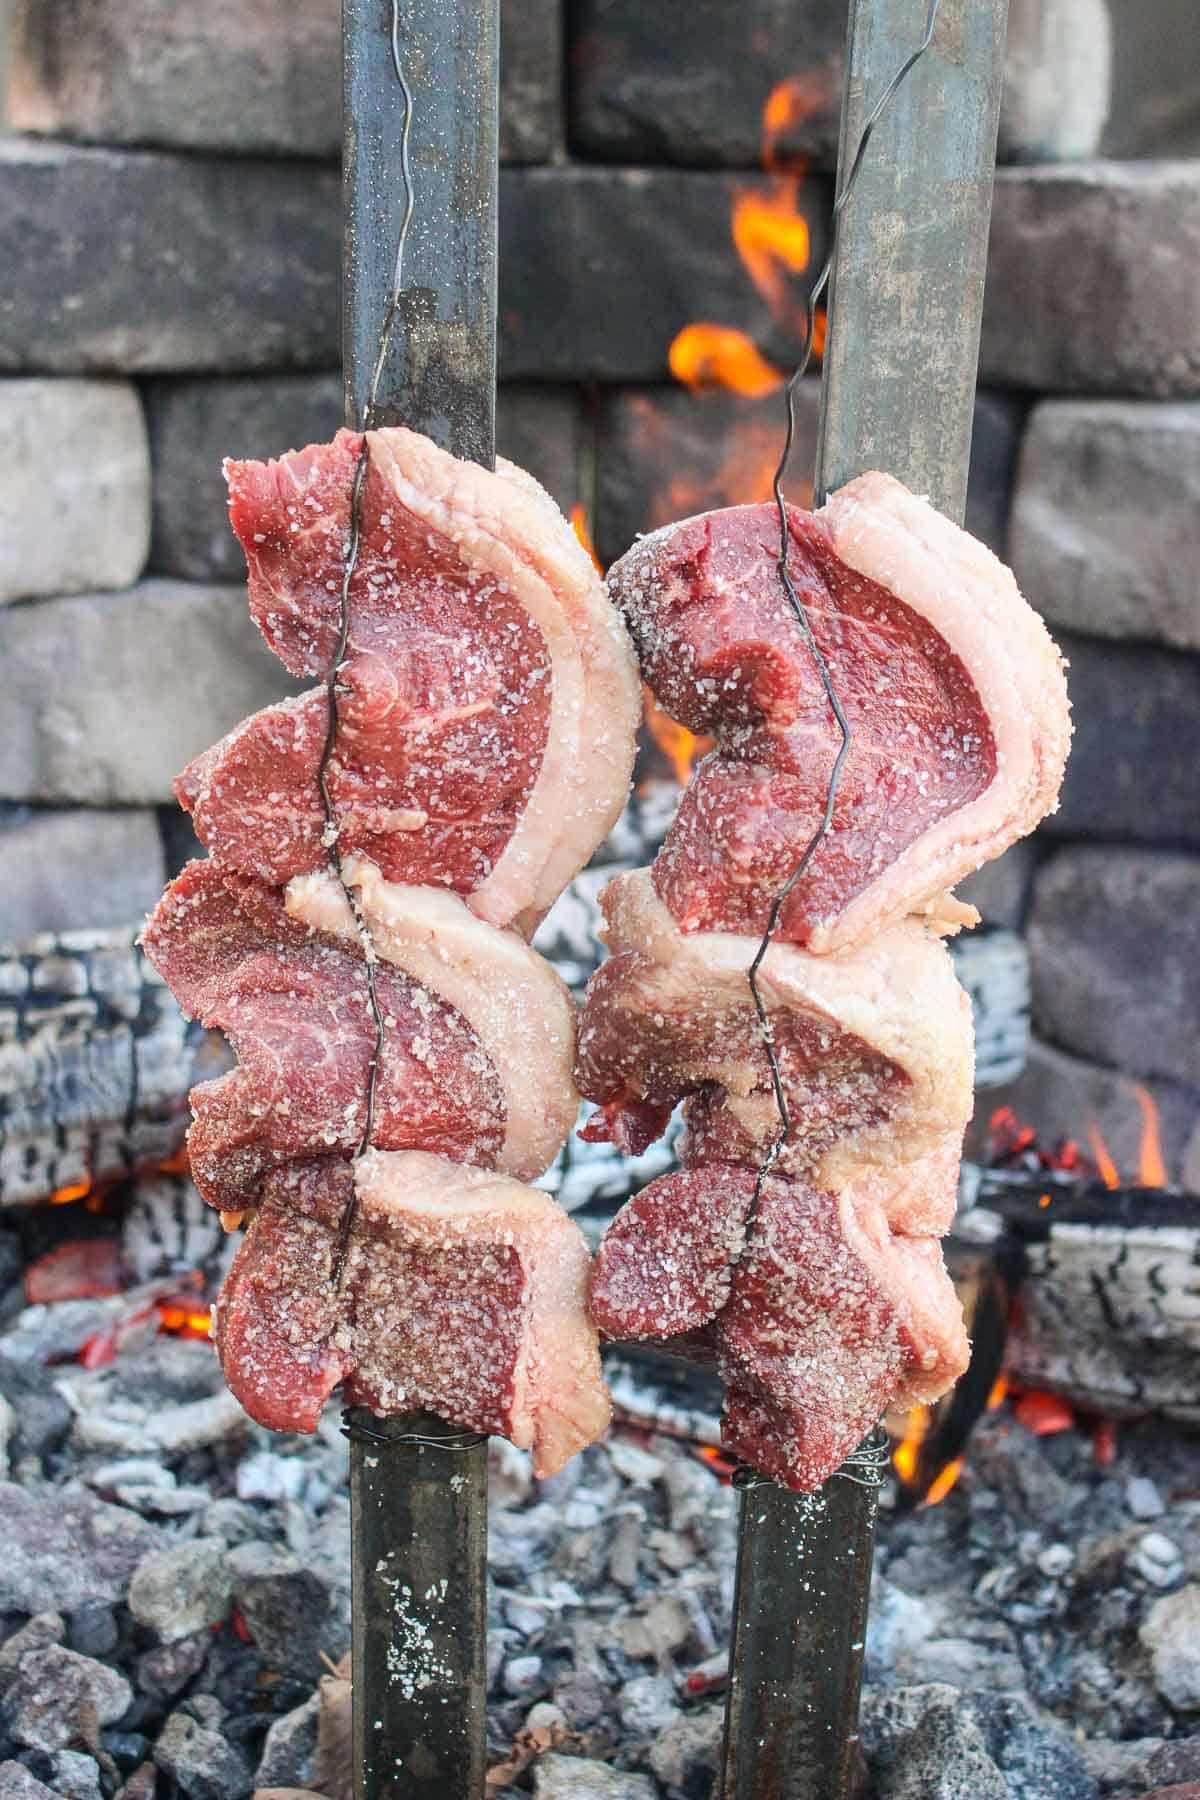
(96, 1060)
(1107, 1311)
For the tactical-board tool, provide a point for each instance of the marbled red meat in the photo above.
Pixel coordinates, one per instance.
(463, 1294)
(295, 1008)
(818, 1316)
(950, 684)
(487, 698)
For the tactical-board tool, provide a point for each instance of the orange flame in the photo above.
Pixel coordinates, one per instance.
(579, 522)
(940, 1486)
(1152, 1171)
(681, 747)
(791, 100)
(183, 1320)
(904, 1456)
(772, 238)
(75, 1190)
(1105, 1165)
(721, 356)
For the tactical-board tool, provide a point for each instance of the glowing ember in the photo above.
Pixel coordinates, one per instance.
(705, 356)
(182, 1318)
(1043, 1414)
(723, 1467)
(76, 1190)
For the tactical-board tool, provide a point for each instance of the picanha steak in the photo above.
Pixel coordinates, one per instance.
(486, 705)
(807, 1262)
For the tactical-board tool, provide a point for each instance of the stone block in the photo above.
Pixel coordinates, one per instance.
(1092, 279)
(136, 261)
(76, 487)
(1132, 767)
(1106, 519)
(224, 76)
(1112, 940)
(688, 83)
(600, 268)
(995, 445)
(1057, 80)
(109, 695)
(542, 429)
(260, 80)
(531, 80)
(66, 870)
(194, 425)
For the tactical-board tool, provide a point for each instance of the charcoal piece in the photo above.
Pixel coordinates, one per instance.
(289, 1754)
(918, 1743)
(687, 81)
(58, 1556)
(205, 1765)
(92, 1629)
(166, 1670)
(36, 1633)
(182, 1590)
(76, 1776)
(285, 1605)
(56, 1696)
(17, 1783)
(42, 1417)
(685, 1757)
(1171, 1634)
(557, 1777)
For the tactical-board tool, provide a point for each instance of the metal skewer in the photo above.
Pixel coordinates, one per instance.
(420, 98)
(897, 394)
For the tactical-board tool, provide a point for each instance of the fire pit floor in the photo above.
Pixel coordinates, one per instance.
(172, 1579)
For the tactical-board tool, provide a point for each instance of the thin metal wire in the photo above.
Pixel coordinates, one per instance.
(332, 829)
(363, 1434)
(802, 867)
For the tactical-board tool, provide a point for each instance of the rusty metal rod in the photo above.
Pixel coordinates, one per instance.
(418, 1486)
(897, 393)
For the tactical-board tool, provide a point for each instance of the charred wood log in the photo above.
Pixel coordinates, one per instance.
(96, 1060)
(1107, 1307)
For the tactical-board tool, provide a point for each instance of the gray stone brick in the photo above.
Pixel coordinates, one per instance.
(193, 426)
(66, 870)
(1092, 279)
(134, 261)
(1057, 80)
(1112, 938)
(542, 429)
(1132, 769)
(1106, 520)
(224, 76)
(109, 695)
(686, 81)
(1001, 888)
(262, 80)
(74, 489)
(531, 80)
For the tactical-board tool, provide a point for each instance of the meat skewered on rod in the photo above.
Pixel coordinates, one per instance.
(479, 641)
(819, 1289)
